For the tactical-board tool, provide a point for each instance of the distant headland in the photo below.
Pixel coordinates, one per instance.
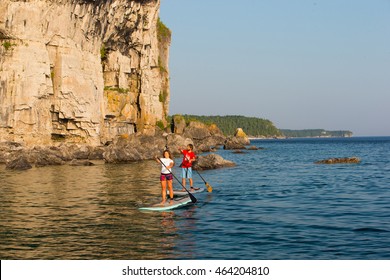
(316, 133)
(262, 128)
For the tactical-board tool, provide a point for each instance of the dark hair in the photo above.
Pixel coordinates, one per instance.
(191, 146)
(169, 153)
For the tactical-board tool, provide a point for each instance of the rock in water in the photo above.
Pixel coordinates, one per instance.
(255, 148)
(212, 161)
(240, 133)
(339, 160)
(241, 136)
(234, 143)
(77, 162)
(20, 163)
(238, 141)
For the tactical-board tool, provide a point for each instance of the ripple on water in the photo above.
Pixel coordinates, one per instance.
(275, 204)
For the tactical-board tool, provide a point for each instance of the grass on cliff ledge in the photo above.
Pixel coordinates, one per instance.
(163, 32)
(8, 45)
(117, 89)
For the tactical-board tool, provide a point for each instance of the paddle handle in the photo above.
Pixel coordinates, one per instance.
(201, 176)
(209, 188)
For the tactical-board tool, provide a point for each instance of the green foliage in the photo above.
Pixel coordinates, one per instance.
(118, 89)
(163, 32)
(103, 52)
(160, 125)
(228, 124)
(163, 96)
(7, 45)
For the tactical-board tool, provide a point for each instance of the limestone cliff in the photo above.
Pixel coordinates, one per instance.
(81, 70)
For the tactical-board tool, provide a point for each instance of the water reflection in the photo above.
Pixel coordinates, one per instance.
(189, 242)
(274, 204)
(65, 212)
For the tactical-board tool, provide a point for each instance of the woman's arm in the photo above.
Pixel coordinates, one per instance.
(172, 164)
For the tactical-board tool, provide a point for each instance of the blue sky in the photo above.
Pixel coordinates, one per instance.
(301, 64)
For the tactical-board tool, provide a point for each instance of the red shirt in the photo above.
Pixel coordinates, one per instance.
(186, 158)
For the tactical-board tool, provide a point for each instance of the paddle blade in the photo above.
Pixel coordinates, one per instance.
(209, 188)
(193, 198)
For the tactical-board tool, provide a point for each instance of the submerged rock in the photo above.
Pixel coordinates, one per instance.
(339, 160)
(77, 162)
(255, 148)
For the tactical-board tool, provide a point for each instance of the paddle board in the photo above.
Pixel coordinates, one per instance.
(183, 193)
(176, 203)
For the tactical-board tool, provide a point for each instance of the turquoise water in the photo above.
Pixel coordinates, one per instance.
(275, 204)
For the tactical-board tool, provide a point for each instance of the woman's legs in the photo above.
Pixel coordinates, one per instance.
(164, 191)
(170, 188)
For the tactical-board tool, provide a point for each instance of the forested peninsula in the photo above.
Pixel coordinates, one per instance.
(316, 133)
(254, 127)
(261, 128)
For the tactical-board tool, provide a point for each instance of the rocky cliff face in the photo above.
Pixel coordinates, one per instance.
(81, 70)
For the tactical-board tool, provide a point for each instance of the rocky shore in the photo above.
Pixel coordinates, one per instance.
(127, 148)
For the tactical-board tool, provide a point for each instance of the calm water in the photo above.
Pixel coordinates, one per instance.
(276, 204)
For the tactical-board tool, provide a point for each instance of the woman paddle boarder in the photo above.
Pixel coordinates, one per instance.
(166, 176)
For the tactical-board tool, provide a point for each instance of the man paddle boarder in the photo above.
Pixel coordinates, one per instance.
(186, 165)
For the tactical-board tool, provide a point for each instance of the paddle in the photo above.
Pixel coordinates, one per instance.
(209, 188)
(192, 197)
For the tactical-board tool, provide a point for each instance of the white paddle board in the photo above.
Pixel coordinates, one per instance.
(176, 203)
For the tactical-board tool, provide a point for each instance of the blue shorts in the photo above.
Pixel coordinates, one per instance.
(166, 177)
(186, 173)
